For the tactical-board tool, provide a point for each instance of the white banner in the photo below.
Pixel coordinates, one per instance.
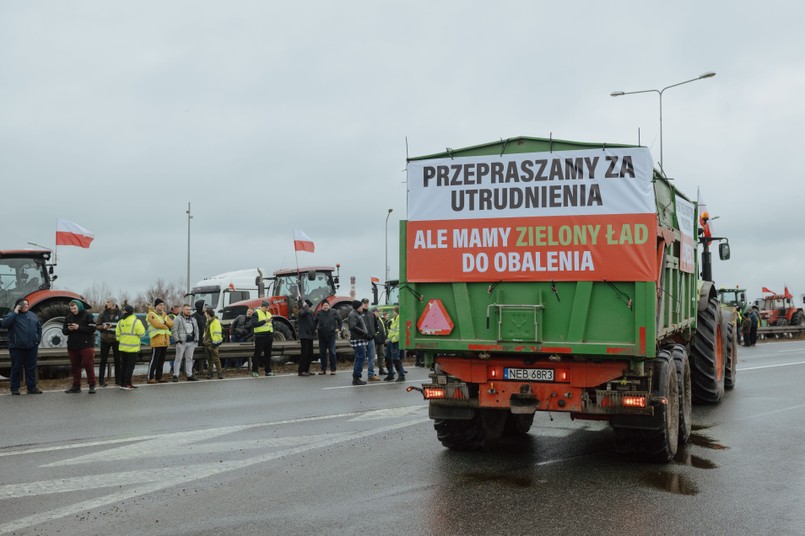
(583, 182)
(687, 227)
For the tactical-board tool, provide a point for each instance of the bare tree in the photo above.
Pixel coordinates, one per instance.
(171, 292)
(97, 294)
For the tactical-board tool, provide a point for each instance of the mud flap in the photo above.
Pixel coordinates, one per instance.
(641, 422)
(450, 412)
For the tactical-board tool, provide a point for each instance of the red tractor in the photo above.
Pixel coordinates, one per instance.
(289, 287)
(27, 274)
(780, 309)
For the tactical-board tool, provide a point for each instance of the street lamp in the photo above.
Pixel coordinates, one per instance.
(387, 244)
(189, 217)
(708, 74)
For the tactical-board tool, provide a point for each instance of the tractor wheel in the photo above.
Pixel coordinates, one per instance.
(52, 317)
(682, 364)
(708, 363)
(517, 425)
(798, 319)
(731, 357)
(658, 444)
(343, 310)
(479, 433)
(282, 332)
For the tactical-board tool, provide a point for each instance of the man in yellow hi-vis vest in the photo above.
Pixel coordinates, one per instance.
(128, 332)
(263, 339)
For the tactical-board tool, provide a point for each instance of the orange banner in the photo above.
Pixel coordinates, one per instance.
(615, 247)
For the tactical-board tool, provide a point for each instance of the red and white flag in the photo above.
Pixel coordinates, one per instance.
(71, 234)
(302, 242)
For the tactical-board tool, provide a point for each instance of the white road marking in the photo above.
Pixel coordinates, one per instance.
(759, 367)
(390, 413)
(156, 480)
(372, 384)
(772, 412)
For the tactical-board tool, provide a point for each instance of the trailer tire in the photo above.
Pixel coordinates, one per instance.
(655, 444)
(683, 381)
(731, 357)
(707, 354)
(517, 425)
(482, 432)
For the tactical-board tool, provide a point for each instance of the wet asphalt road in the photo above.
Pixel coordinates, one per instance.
(290, 455)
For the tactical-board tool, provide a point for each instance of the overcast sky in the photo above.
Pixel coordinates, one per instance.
(270, 116)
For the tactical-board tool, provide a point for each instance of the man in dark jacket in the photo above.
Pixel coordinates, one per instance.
(371, 348)
(201, 320)
(79, 326)
(24, 335)
(358, 339)
(107, 321)
(306, 328)
(327, 324)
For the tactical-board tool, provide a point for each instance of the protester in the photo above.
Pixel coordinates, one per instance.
(186, 333)
(241, 327)
(380, 342)
(200, 363)
(327, 324)
(358, 339)
(159, 330)
(263, 329)
(213, 337)
(306, 328)
(393, 348)
(371, 348)
(746, 329)
(175, 311)
(79, 326)
(24, 336)
(755, 322)
(106, 323)
(241, 332)
(129, 330)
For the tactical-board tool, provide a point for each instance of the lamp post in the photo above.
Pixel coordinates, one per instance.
(189, 217)
(387, 244)
(708, 74)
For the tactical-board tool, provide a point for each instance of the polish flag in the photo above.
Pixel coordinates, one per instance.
(302, 242)
(787, 294)
(72, 234)
(767, 290)
(375, 279)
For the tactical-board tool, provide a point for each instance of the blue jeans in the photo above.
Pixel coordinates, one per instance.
(360, 359)
(371, 353)
(25, 359)
(327, 346)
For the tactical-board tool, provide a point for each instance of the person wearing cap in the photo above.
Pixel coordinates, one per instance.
(358, 338)
(213, 338)
(306, 328)
(383, 361)
(187, 335)
(79, 326)
(263, 329)
(371, 348)
(393, 348)
(106, 323)
(159, 331)
(327, 325)
(24, 334)
(128, 331)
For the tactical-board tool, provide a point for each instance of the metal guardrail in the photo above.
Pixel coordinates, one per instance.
(781, 330)
(281, 351)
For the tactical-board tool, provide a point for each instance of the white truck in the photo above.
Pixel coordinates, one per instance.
(220, 290)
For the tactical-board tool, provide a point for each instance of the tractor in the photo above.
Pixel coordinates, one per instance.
(780, 309)
(289, 287)
(27, 274)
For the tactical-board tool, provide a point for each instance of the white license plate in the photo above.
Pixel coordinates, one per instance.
(528, 374)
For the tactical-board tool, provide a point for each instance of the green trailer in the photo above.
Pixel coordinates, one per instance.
(549, 275)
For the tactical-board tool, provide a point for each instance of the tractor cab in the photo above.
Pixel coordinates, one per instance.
(21, 274)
